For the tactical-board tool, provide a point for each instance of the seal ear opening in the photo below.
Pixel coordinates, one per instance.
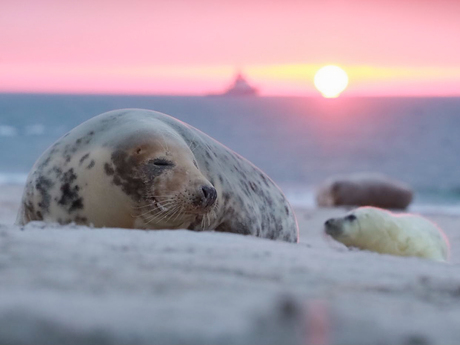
(138, 150)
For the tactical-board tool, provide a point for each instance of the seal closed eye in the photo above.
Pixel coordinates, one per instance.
(350, 217)
(161, 162)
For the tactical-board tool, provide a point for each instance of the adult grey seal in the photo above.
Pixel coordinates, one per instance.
(135, 168)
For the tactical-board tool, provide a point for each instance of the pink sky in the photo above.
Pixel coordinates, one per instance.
(190, 47)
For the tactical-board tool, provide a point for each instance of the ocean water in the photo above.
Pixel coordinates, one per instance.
(298, 142)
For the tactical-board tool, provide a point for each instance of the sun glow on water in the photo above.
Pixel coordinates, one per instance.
(331, 81)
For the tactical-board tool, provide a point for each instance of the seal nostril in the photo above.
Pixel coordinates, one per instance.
(328, 222)
(209, 195)
(205, 192)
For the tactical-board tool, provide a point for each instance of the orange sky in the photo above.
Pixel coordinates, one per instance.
(392, 47)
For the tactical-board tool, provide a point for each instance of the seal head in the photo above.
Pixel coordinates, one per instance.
(160, 174)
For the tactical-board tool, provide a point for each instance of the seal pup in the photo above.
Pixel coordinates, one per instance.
(382, 231)
(142, 169)
(364, 189)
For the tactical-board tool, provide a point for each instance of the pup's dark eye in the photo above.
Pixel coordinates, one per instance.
(160, 162)
(350, 218)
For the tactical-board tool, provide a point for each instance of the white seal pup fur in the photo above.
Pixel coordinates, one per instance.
(381, 231)
(142, 169)
(364, 189)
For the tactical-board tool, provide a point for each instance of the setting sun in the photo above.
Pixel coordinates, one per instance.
(331, 81)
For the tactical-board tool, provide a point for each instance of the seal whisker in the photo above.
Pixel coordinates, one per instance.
(156, 210)
(202, 223)
(154, 205)
(208, 219)
(205, 221)
(164, 214)
(170, 212)
(143, 206)
(155, 217)
(150, 195)
(160, 198)
(150, 204)
(163, 201)
(175, 213)
(211, 213)
(178, 213)
(151, 212)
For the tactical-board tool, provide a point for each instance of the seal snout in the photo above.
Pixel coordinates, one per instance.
(328, 222)
(207, 197)
(332, 227)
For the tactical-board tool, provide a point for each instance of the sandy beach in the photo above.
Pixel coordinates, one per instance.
(69, 284)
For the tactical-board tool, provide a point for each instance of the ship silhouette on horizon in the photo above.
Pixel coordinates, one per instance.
(239, 87)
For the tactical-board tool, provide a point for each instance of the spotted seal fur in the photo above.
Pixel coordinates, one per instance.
(135, 168)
